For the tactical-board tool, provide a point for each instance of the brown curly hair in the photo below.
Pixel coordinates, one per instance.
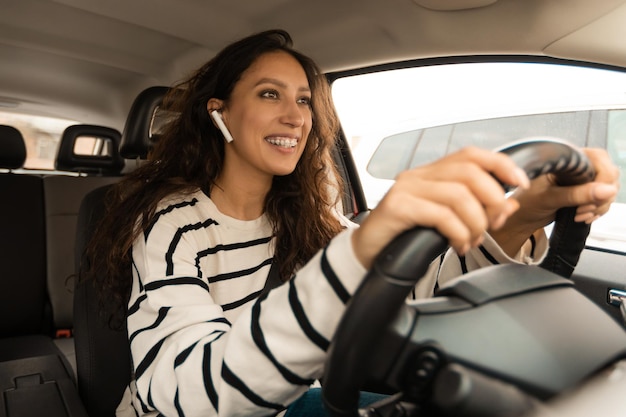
(189, 155)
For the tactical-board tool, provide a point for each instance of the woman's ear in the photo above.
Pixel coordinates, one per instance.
(214, 104)
(214, 107)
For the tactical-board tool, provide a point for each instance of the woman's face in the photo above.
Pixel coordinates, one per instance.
(269, 116)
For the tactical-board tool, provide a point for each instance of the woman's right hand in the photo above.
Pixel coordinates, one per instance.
(457, 195)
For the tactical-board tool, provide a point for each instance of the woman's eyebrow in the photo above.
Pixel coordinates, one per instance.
(279, 83)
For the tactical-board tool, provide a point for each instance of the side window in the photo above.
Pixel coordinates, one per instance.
(617, 146)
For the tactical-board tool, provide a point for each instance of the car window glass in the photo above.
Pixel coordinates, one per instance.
(417, 147)
(394, 154)
(398, 119)
(617, 145)
(42, 136)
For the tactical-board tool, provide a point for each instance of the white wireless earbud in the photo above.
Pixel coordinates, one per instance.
(217, 116)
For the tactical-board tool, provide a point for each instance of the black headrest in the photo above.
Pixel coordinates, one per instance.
(139, 131)
(73, 157)
(12, 148)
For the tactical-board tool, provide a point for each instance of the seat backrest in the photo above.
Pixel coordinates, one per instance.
(23, 301)
(102, 353)
(63, 195)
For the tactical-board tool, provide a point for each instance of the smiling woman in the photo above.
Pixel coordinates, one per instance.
(212, 219)
(262, 111)
(206, 338)
(200, 224)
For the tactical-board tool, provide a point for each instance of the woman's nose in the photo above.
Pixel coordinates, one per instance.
(293, 114)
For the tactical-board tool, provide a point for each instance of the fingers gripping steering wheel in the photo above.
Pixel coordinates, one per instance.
(401, 264)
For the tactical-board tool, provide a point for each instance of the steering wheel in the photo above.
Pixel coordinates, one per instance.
(400, 266)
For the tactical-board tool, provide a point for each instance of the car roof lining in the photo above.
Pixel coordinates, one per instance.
(125, 47)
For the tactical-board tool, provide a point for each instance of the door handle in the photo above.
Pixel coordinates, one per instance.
(618, 298)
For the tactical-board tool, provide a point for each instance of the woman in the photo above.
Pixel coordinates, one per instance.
(202, 221)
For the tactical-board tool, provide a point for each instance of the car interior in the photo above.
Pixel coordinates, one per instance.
(91, 75)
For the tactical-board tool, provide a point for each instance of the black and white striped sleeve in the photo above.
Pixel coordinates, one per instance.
(190, 360)
(281, 346)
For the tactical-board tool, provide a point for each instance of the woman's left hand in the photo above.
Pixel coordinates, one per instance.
(539, 203)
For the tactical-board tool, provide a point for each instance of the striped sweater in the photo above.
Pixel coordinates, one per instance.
(202, 341)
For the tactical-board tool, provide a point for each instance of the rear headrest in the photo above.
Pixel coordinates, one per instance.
(140, 131)
(12, 148)
(90, 149)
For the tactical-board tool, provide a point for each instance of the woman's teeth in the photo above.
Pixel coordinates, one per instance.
(283, 142)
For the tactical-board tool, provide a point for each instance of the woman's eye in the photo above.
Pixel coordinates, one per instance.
(305, 100)
(269, 94)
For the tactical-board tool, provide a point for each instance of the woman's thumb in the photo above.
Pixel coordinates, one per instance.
(602, 192)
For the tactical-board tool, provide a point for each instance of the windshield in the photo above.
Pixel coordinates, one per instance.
(394, 120)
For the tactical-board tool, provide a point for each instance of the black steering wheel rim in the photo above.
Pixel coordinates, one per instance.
(403, 262)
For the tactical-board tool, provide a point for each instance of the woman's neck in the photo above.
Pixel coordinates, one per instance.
(239, 198)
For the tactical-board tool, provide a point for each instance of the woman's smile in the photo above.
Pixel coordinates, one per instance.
(285, 142)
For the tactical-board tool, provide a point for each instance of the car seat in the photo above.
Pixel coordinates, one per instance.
(23, 303)
(102, 353)
(35, 377)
